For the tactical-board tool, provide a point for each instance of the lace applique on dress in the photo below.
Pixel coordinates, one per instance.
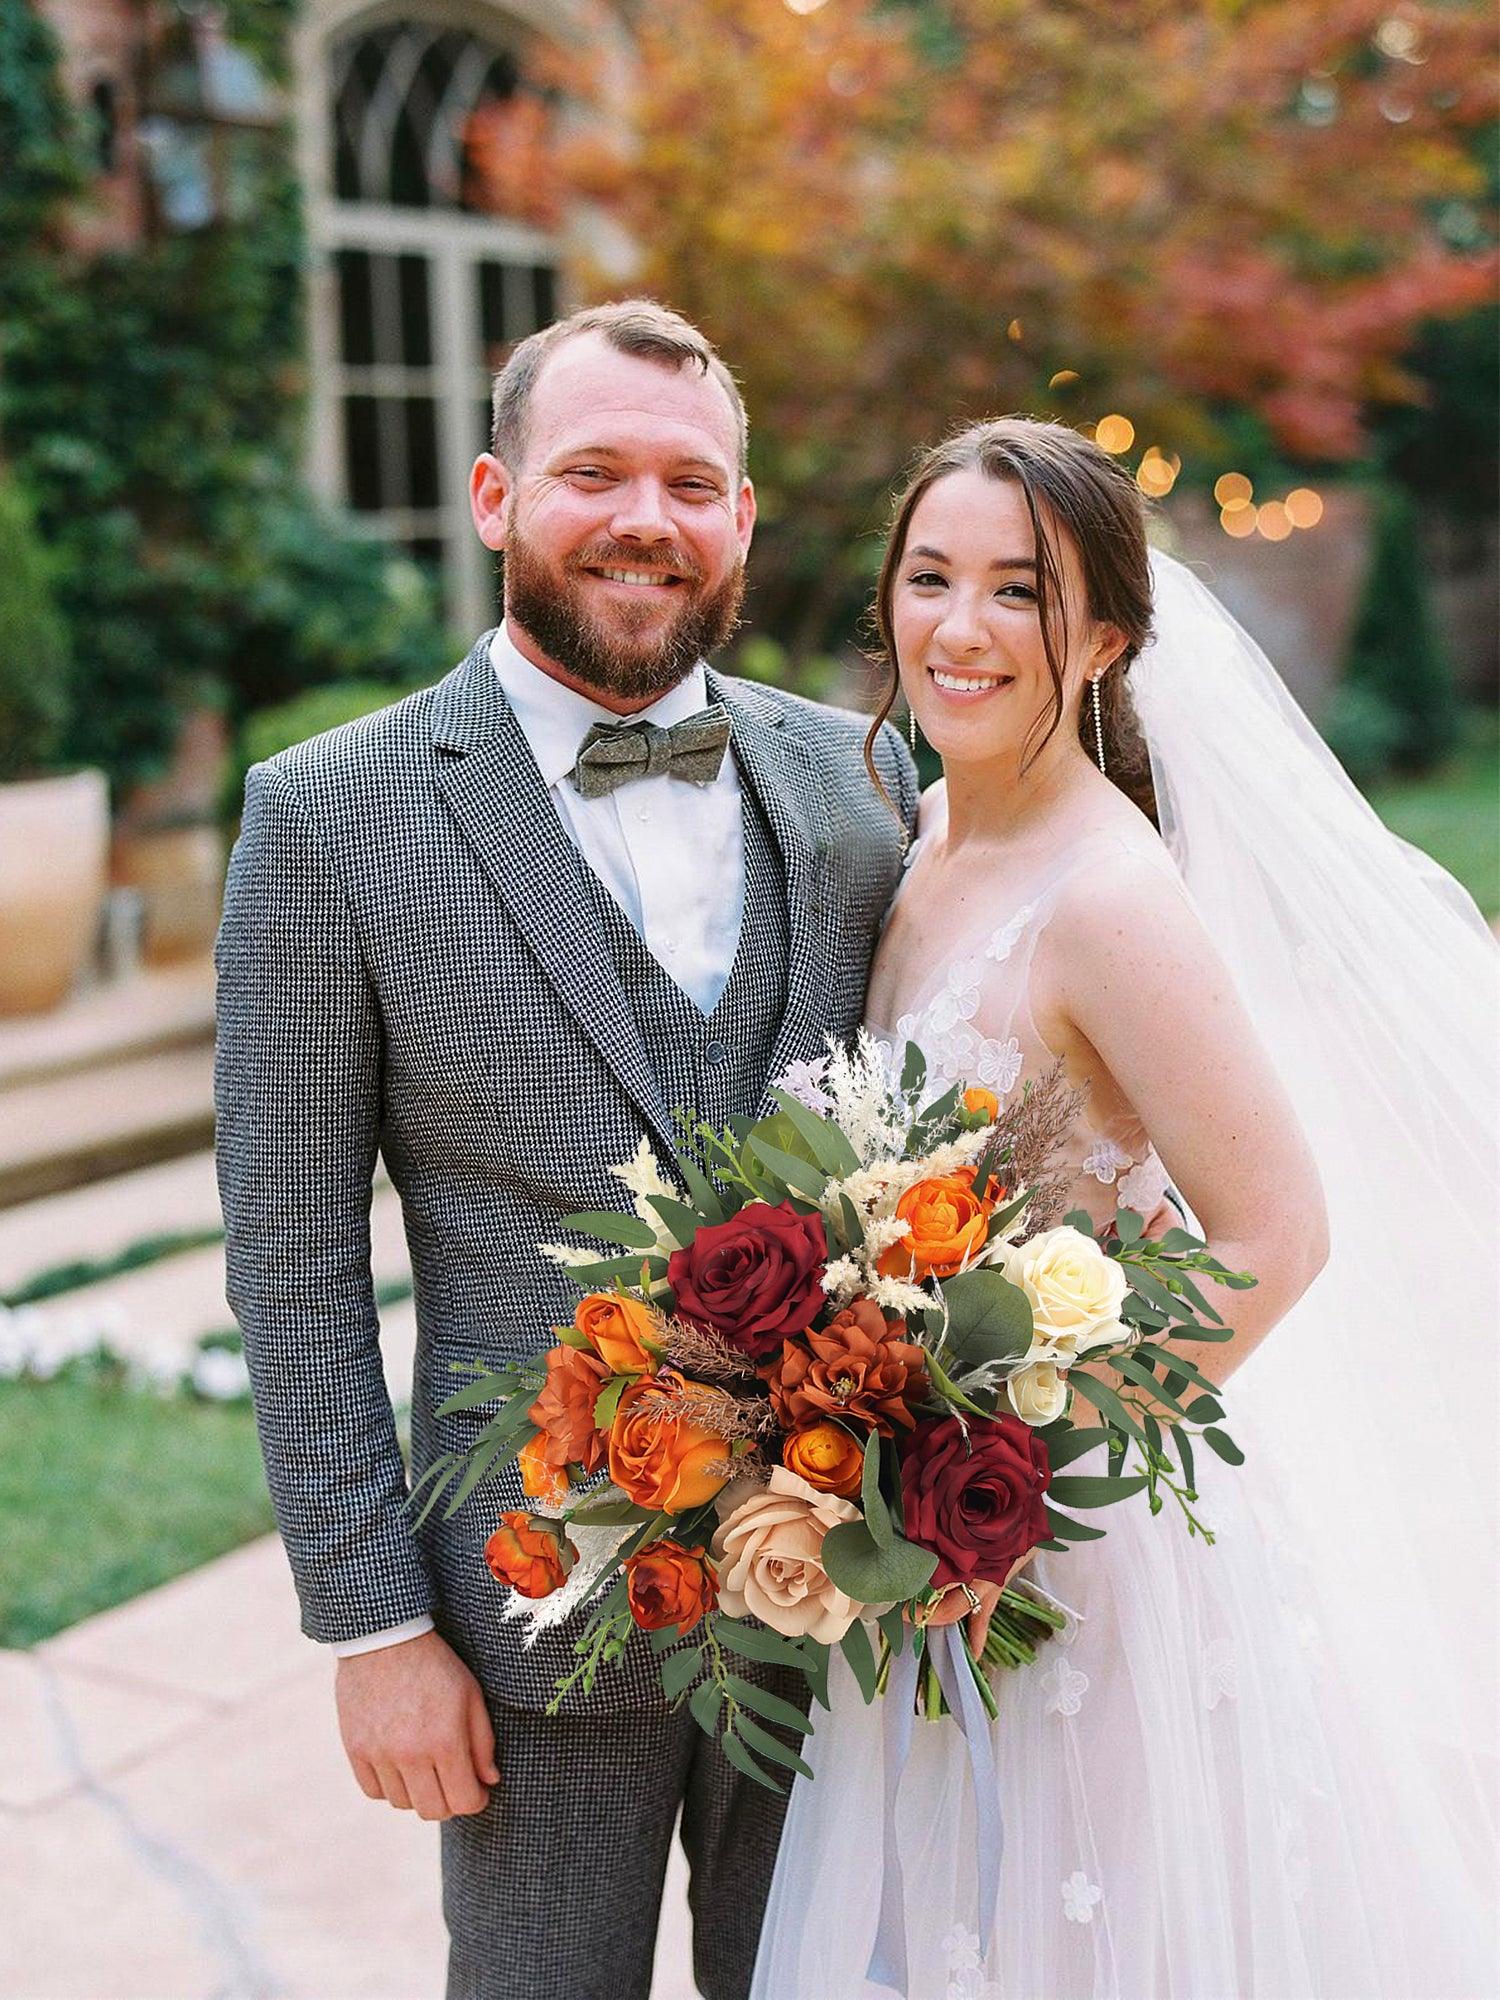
(1104, 1159)
(1064, 1686)
(1144, 1188)
(1079, 1896)
(1219, 1678)
(1003, 942)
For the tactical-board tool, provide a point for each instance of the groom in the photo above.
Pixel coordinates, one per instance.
(494, 935)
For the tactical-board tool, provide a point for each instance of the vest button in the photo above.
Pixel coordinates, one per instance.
(716, 1055)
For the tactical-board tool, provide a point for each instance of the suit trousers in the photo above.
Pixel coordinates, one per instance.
(553, 1892)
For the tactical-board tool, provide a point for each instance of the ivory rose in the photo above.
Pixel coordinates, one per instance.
(1038, 1392)
(621, 1331)
(769, 1550)
(662, 1460)
(1076, 1293)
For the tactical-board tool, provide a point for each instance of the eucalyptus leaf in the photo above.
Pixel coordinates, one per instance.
(854, 1229)
(754, 1642)
(769, 1745)
(1106, 1402)
(740, 1757)
(821, 1136)
(877, 1514)
(797, 1175)
(1129, 1225)
(1078, 1490)
(488, 1389)
(616, 1271)
(683, 1222)
(989, 1318)
(1068, 1530)
(679, 1670)
(629, 1231)
(607, 1511)
(705, 1195)
(771, 1706)
(1075, 1440)
(704, 1704)
(1204, 1411)
(870, 1574)
(857, 1650)
(913, 1070)
(1225, 1446)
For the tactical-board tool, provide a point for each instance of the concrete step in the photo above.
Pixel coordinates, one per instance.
(152, 1010)
(104, 1218)
(67, 1128)
(160, 1311)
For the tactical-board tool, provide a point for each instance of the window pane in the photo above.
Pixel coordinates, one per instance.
(356, 334)
(362, 454)
(492, 306)
(543, 295)
(421, 452)
(416, 313)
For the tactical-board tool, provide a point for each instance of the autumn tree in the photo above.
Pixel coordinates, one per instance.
(896, 217)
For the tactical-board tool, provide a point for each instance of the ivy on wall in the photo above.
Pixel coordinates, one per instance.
(151, 400)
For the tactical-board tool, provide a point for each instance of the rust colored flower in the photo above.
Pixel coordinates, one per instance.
(564, 1411)
(662, 1460)
(827, 1457)
(532, 1555)
(669, 1584)
(540, 1479)
(861, 1366)
(618, 1329)
(946, 1223)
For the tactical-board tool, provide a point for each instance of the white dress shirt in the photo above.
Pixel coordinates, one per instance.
(671, 853)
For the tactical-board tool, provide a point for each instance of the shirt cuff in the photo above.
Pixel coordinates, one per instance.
(345, 1649)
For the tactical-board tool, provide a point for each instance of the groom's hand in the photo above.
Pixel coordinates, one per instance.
(415, 1728)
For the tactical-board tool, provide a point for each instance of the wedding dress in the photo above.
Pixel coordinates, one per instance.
(1260, 1770)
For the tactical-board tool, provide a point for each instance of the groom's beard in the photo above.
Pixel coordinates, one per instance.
(631, 654)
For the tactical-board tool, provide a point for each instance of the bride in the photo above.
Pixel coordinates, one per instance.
(1257, 1770)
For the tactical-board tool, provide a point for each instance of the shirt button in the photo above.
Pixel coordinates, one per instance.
(716, 1055)
(643, 815)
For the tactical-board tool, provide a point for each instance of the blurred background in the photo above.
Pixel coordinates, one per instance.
(258, 263)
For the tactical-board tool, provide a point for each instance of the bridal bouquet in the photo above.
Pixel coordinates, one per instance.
(833, 1374)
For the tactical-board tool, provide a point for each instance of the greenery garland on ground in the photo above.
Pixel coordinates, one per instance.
(151, 402)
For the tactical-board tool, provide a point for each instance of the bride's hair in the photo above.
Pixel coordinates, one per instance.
(1067, 481)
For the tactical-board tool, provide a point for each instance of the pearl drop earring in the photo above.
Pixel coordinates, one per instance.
(1098, 725)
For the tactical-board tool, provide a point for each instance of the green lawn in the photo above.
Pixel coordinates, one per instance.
(1455, 813)
(106, 1492)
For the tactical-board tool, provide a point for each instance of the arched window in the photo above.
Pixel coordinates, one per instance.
(435, 225)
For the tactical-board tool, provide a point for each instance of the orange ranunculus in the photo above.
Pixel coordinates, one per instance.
(946, 1222)
(663, 1460)
(983, 1103)
(827, 1457)
(618, 1329)
(540, 1479)
(669, 1584)
(564, 1410)
(532, 1555)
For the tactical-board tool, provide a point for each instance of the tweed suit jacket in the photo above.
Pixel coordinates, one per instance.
(411, 965)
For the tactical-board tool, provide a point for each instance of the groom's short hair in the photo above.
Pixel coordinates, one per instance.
(634, 326)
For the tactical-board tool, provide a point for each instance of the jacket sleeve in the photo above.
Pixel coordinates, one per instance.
(297, 1091)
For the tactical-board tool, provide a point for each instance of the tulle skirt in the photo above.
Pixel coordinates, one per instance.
(1197, 1805)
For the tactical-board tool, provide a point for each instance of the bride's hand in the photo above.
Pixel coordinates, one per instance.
(954, 1605)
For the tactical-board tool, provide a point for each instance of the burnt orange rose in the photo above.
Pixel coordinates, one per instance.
(540, 1480)
(946, 1223)
(669, 1584)
(982, 1103)
(618, 1330)
(827, 1457)
(532, 1555)
(664, 1459)
(564, 1411)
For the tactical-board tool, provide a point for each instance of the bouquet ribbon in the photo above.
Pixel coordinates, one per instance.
(888, 1960)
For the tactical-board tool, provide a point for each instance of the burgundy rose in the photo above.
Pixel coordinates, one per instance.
(755, 1278)
(976, 1502)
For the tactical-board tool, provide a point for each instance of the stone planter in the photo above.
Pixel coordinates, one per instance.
(54, 847)
(169, 848)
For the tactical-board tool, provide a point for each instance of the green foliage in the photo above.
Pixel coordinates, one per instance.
(1450, 813)
(34, 661)
(37, 139)
(107, 1493)
(1396, 658)
(152, 400)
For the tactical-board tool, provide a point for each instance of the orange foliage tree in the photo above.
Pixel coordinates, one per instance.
(892, 218)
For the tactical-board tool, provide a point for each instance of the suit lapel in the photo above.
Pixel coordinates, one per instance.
(780, 772)
(488, 780)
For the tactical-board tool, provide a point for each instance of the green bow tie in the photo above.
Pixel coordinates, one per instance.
(613, 756)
